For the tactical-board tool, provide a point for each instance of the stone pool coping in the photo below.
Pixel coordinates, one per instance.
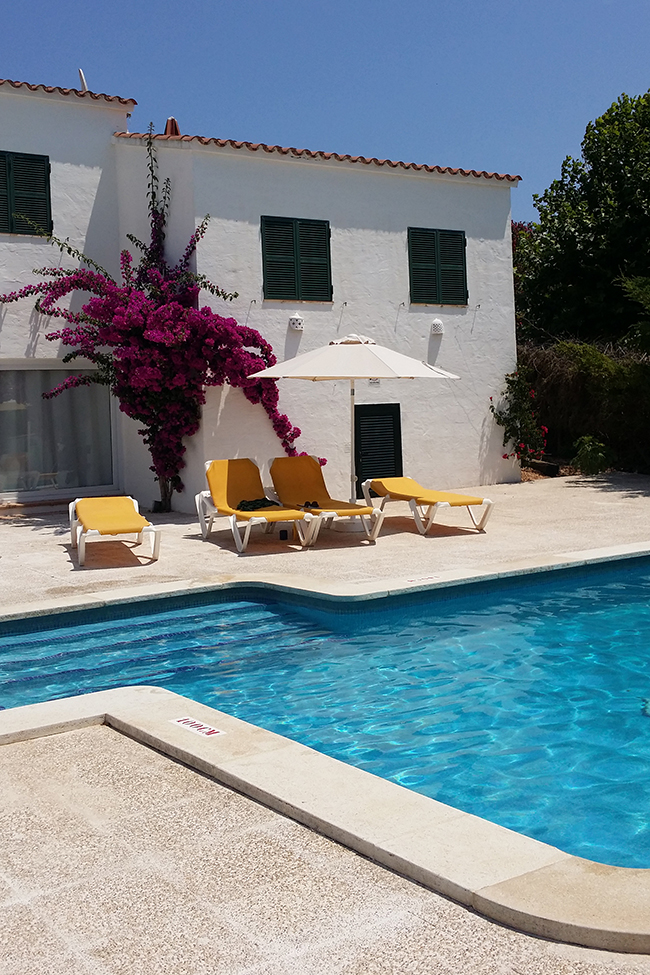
(335, 591)
(501, 874)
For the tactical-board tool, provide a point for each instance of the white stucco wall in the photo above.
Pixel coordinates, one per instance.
(448, 435)
(76, 133)
(98, 187)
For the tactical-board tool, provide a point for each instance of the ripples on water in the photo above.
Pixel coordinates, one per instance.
(525, 707)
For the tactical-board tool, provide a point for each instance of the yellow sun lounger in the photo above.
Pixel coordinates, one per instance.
(425, 504)
(236, 482)
(299, 481)
(92, 519)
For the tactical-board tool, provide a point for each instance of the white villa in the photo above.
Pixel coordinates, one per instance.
(416, 257)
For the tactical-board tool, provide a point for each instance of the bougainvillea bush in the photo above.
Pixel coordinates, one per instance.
(523, 435)
(152, 344)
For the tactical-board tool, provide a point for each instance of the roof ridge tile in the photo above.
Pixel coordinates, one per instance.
(319, 154)
(50, 89)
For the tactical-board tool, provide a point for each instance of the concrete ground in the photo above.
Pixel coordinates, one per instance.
(114, 859)
(536, 522)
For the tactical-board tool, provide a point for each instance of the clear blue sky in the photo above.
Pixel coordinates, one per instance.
(506, 86)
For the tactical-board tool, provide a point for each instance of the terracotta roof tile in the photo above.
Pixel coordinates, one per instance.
(308, 153)
(68, 91)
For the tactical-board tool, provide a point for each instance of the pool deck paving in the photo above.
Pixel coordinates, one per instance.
(538, 523)
(123, 851)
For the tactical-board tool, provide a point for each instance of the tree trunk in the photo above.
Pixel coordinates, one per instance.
(166, 491)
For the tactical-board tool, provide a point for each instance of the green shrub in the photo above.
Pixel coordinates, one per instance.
(586, 391)
(592, 457)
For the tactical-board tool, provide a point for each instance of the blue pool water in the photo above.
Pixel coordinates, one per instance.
(528, 705)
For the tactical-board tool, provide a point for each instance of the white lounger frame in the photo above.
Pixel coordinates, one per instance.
(307, 530)
(371, 523)
(425, 515)
(79, 537)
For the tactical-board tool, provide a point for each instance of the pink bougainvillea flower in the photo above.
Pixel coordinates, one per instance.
(522, 434)
(153, 345)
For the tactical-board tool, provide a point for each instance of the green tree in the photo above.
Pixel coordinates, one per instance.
(638, 289)
(593, 231)
(522, 233)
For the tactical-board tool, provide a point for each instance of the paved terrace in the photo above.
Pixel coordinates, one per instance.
(115, 859)
(539, 522)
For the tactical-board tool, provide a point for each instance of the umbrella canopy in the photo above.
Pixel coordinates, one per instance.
(353, 357)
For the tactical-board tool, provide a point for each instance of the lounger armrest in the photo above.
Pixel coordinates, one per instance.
(74, 522)
(365, 487)
(271, 493)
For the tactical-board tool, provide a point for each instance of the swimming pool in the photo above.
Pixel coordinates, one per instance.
(524, 703)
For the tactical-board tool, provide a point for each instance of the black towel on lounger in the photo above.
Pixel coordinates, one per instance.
(256, 504)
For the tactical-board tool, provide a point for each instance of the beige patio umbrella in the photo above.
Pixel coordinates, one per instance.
(353, 357)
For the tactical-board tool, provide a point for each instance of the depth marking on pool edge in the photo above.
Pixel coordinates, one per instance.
(197, 727)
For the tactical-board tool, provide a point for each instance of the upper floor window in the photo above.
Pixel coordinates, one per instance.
(296, 259)
(437, 267)
(24, 193)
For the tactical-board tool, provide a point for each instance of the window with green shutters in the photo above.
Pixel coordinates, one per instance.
(437, 267)
(24, 193)
(296, 259)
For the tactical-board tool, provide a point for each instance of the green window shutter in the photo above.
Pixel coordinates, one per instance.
(315, 276)
(437, 267)
(453, 276)
(30, 177)
(423, 265)
(279, 258)
(296, 259)
(4, 195)
(24, 193)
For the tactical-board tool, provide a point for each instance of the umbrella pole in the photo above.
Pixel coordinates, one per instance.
(350, 524)
(353, 473)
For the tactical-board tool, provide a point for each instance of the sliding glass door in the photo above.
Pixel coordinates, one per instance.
(53, 445)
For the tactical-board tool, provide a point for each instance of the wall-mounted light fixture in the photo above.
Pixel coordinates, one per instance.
(437, 327)
(297, 322)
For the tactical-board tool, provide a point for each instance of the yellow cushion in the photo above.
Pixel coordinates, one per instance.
(344, 508)
(109, 516)
(234, 481)
(406, 489)
(300, 479)
(271, 514)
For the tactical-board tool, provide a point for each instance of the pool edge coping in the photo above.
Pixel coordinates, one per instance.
(503, 875)
(346, 592)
